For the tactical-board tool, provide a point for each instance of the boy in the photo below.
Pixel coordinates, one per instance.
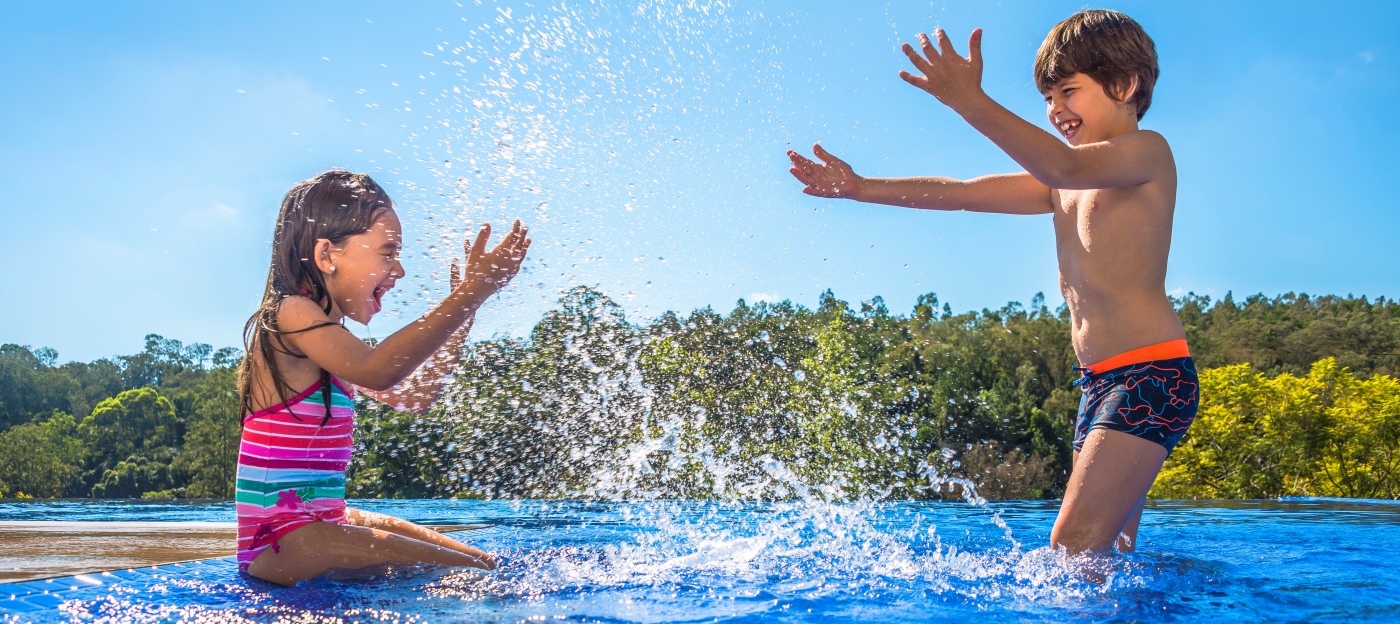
(1112, 191)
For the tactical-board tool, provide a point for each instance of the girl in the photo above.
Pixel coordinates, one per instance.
(335, 253)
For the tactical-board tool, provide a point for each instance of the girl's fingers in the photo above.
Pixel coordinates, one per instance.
(827, 157)
(478, 248)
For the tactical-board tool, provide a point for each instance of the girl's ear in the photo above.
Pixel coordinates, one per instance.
(322, 251)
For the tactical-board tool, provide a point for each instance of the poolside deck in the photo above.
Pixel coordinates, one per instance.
(35, 550)
(39, 550)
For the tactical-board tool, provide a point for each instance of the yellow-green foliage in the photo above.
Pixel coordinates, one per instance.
(1325, 434)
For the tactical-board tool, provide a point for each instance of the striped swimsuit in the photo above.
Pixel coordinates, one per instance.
(291, 467)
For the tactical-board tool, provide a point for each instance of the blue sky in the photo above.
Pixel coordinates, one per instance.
(147, 146)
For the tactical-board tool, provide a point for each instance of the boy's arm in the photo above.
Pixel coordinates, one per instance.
(1133, 158)
(1012, 193)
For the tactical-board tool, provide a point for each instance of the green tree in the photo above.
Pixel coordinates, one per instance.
(134, 424)
(210, 452)
(31, 387)
(1328, 433)
(41, 458)
(138, 475)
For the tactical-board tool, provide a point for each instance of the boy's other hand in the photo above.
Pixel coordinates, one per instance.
(946, 75)
(833, 179)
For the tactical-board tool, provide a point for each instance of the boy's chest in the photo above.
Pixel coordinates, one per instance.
(1083, 216)
(1077, 212)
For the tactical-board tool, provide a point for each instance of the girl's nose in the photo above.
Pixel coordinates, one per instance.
(397, 271)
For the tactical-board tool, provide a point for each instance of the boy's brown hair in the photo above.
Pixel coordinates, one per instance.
(1109, 47)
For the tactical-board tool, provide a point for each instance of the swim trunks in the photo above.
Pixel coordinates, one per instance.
(291, 466)
(1150, 393)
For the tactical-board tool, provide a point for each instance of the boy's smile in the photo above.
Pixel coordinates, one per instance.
(1082, 111)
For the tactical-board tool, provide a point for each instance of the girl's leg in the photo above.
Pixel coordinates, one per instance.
(398, 526)
(319, 547)
(1111, 477)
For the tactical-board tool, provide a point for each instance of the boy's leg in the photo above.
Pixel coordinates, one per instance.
(319, 547)
(399, 526)
(1127, 538)
(1111, 477)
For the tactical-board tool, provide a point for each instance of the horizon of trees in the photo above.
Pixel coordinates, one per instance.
(768, 401)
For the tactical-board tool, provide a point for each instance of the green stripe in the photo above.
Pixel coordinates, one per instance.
(270, 500)
(264, 487)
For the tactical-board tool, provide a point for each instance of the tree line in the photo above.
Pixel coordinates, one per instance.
(771, 400)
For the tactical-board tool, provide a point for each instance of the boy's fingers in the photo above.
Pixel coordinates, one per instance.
(918, 61)
(974, 46)
(945, 44)
(931, 52)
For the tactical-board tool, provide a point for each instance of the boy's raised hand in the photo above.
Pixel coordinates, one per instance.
(946, 75)
(492, 270)
(833, 179)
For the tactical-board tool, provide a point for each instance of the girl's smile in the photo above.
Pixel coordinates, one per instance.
(360, 273)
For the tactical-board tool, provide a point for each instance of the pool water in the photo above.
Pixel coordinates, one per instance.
(1290, 560)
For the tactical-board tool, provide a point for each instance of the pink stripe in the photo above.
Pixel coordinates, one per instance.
(263, 438)
(299, 464)
(280, 452)
(257, 450)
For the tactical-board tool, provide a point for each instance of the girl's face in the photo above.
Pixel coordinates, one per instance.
(1083, 113)
(360, 273)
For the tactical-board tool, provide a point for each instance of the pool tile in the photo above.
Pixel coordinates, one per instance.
(19, 607)
(46, 601)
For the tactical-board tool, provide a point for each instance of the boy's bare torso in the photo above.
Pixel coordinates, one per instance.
(1112, 246)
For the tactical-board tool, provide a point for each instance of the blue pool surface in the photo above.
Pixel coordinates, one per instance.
(1291, 560)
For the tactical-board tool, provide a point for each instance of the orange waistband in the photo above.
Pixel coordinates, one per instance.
(1160, 351)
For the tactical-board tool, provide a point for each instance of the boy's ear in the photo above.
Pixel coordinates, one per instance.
(1126, 92)
(322, 255)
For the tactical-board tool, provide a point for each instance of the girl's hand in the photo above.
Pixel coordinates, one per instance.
(946, 75)
(833, 179)
(489, 271)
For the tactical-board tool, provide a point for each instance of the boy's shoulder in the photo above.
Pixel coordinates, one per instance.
(1142, 137)
(1148, 147)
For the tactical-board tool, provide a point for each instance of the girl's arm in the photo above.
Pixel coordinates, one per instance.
(388, 363)
(418, 393)
(1012, 193)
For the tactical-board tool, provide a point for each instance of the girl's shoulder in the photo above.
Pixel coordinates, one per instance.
(298, 312)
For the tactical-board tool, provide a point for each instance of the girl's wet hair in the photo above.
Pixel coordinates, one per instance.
(333, 206)
(1109, 47)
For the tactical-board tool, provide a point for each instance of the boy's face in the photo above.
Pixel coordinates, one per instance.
(1082, 112)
